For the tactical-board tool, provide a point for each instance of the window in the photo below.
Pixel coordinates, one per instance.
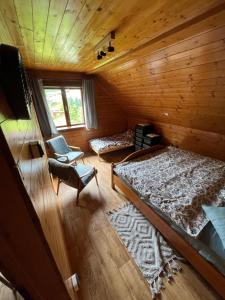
(66, 106)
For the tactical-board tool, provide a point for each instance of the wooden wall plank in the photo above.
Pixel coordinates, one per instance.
(203, 142)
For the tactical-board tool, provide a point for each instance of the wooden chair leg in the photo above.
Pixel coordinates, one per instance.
(58, 186)
(96, 177)
(51, 177)
(112, 182)
(78, 194)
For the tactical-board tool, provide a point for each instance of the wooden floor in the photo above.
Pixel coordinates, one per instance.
(103, 264)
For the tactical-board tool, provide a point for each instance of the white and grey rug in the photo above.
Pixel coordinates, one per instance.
(155, 258)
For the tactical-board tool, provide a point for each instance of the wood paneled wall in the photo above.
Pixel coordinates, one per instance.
(178, 80)
(36, 183)
(204, 142)
(111, 118)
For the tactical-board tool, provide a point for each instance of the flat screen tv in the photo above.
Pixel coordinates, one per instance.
(14, 82)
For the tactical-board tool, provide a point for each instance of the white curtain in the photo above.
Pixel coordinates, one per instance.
(89, 103)
(46, 123)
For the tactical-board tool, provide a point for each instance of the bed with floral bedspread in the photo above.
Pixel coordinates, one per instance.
(178, 182)
(112, 143)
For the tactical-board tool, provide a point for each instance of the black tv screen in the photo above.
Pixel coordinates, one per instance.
(14, 82)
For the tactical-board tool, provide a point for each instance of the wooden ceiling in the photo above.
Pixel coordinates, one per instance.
(62, 34)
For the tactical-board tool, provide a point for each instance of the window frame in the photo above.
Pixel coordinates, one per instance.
(65, 105)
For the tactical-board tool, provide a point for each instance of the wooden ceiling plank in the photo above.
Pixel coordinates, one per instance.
(118, 14)
(55, 16)
(122, 16)
(40, 17)
(5, 34)
(131, 31)
(24, 12)
(88, 11)
(109, 17)
(78, 21)
(9, 14)
(72, 11)
(91, 35)
(181, 48)
(174, 17)
(9, 33)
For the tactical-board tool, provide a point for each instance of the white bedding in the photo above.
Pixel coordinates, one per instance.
(178, 182)
(114, 142)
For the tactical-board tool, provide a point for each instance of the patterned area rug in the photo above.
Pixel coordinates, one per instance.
(155, 258)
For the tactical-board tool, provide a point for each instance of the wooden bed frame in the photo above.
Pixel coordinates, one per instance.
(111, 150)
(210, 274)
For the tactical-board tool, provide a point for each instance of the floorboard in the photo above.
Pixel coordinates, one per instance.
(106, 270)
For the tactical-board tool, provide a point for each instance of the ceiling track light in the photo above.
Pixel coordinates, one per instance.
(111, 48)
(102, 53)
(99, 56)
(105, 45)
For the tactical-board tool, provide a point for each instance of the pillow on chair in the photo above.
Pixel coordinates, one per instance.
(217, 216)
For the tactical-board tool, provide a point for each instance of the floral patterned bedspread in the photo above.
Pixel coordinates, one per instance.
(115, 141)
(178, 182)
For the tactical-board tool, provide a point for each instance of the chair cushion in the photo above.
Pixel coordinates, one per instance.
(58, 145)
(83, 169)
(70, 156)
(63, 159)
(74, 155)
(217, 216)
(59, 169)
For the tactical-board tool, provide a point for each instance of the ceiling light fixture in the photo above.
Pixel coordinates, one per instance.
(105, 45)
(99, 56)
(110, 48)
(102, 53)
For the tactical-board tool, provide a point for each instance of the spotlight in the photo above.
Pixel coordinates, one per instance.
(102, 53)
(99, 56)
(110, 48)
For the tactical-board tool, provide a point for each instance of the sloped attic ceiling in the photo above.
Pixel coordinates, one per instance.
(62, 34)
